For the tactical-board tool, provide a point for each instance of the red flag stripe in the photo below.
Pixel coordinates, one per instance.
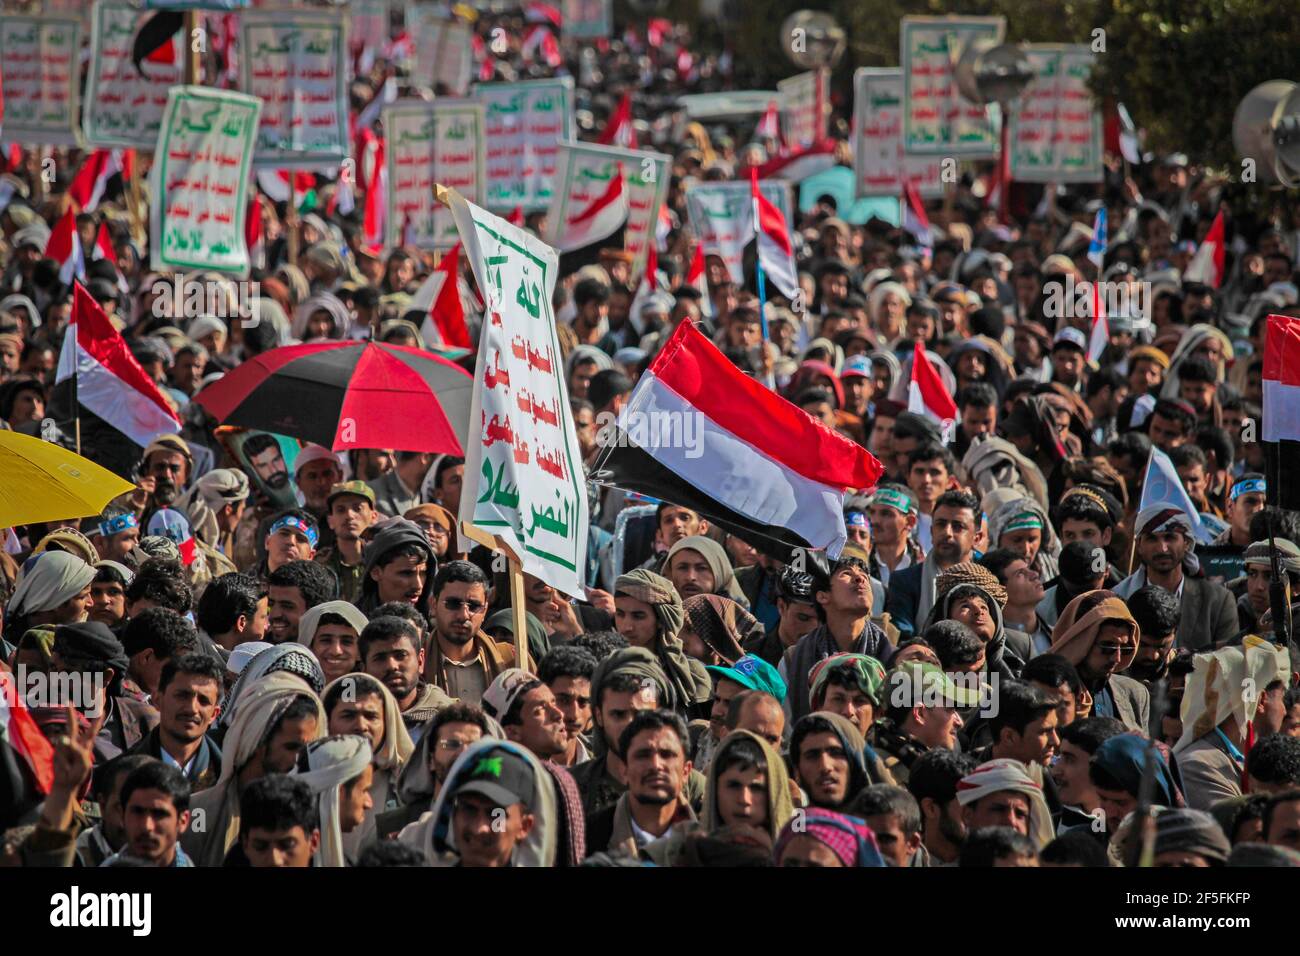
(693, 367)
(97, 337)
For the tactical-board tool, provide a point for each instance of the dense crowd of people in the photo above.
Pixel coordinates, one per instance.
(1014, 661)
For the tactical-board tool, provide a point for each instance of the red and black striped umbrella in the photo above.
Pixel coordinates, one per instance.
(349, 395)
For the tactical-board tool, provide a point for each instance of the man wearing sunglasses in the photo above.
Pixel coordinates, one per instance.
(461, 658)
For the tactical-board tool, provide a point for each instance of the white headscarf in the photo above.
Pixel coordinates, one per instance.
(1005, 773)
(48, 580)
(308, 623)
(1227, 683)
(331, 763)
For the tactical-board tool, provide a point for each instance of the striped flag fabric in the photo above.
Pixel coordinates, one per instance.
(110, 382)
(440, 296)
(914, 219)
(926, 394)
(619, 131)
(769, 126)
(1281, 426)
(698, 432)
(775, 250)
(253, 237)
(64, 247)
(601, 218)
(697, 276)
(1161, 483)
(21, 734)
(1207, 265)
(87, 187)
(104, 250)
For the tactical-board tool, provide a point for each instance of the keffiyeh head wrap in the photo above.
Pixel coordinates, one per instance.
(291, 659)
(720, 623)
(1229, 683)
(1191, 831)
(849, 838)
(48, 580)
(325, 766)
(724, 577)
(650, 588)
(1002, 774)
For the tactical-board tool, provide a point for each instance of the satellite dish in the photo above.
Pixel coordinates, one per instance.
(1266, 129)
(812, 39)
(989, 72)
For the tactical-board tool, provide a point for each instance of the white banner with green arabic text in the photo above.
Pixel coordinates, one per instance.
(124, 107)
(722, 215)
(937, 119)
(429, 143)
(199, 180)
(523, 470)
(1055, 132)
(525, 123)
(40, 75)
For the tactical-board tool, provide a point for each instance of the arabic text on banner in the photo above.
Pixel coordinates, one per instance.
(39, 60)
(878, 157)
(587, 19)
(524, 124)
(523, 471)
(936, 118)
(1055, 132)
(430, 143)
(444, 56)
(722, 215)
(585, 169)
(199, 180)
(123, 106)
(296, 63)
(803, 108)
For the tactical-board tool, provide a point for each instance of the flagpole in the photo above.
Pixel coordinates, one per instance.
(1133, 543)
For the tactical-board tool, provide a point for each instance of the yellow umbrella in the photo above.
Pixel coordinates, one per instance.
(40, 481)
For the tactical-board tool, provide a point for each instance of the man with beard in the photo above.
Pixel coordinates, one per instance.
(445, 738)
(1097, 634)
(397, 565)
(264, 454)
(316, 470)
(527, 711)
(462, 659)
(653, 748)
(169, 462)
(116, 535)
(1208, 616)
(292, 535)
(292, 590)
(933, 782)
(1156, 612)
(391, 651)
(188, 701)
(350, 510)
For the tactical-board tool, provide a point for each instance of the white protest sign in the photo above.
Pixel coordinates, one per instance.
(41, 75)
(584, 171)
(199, 180)
(937, 120)
(722, 215)
(124, 107)
(1055, 133)
(296, 62)
(430, 143)
(444, 57)
(804, 108)
(525, 123)
(523, 469)
(878, 157)
(587, 19)
(368, 28)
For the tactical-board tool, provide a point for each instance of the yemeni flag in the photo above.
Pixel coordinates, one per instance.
(605, 215)
(64, 247)
(281, 186)
(1281, 427)
(20, 734)
(88, 186)
(775, 250)
(1120, 136)
(799, 163)
(697, 276)
(253, 238)
(373, 220)
(1207, 265)
(619, 130)
(104, 250)
(440, 297)
(109, 380)
(914, 218)
(769, 126)
(698, 432)
(926, 394)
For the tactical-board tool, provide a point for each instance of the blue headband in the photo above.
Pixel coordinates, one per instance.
(297, 524)
(855, 519)
(118, 523)
(1247, 485)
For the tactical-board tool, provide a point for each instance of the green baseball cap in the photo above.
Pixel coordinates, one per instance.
(922, 684)
(753, 673)
(354, 487)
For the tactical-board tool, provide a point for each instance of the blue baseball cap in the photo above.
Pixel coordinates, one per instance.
(753, 673)
(856, 366)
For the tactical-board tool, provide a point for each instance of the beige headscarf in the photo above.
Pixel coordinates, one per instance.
(780, 805)
(1074, 636)
(260, 706)
(395, 747)
(332, 762)
(1229, 682)
(724, 577)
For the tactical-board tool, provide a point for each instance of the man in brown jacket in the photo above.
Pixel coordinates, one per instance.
(460, 658)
